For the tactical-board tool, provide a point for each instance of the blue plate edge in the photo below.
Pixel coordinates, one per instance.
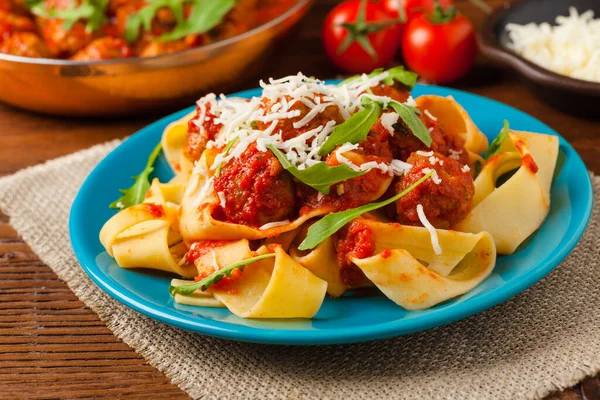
(342, 335)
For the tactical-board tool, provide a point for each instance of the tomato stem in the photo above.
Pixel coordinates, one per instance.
(441, 15)
(359, 30)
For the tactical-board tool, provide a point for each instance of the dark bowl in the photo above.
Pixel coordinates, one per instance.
(574, 96)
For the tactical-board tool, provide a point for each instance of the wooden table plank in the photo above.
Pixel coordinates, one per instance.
(51, 345)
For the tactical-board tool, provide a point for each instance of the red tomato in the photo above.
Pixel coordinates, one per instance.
(372, 43)
(412, 8)
(440, 52)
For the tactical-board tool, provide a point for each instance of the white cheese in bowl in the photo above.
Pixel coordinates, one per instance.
(571, 47)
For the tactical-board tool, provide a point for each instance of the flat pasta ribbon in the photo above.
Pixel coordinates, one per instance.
(196, 299)
(407, 270)
(273, 288)
(322, 261)
(149, 244)
(147, 235)
(454, 119)
(516, 209)
(173, 141)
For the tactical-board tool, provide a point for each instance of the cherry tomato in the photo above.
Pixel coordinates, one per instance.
(360, 36)
(412, 8)
(440, 47)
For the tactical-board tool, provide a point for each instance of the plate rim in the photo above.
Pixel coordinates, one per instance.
(342, 335)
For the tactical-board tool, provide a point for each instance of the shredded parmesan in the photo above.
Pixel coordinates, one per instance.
(274, 107)
(388, 120)
(429, 115)
(215, 262)
(571, 47)
(465, 168)
(222, 199)
(274, 224)
(432, 232)
(434, 177)
(455, 154)
(424, 153)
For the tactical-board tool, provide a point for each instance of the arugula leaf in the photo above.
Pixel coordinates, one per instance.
(410, 117)
(91, 10)
(228, 147)
(355, 129)
(331, 223)
(497, 143)
(216, 277)
(144, 17)
(205, 15)
(137, 192)
(320, 176)
(407, 78)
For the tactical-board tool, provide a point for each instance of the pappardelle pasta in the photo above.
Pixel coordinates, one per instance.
(312, 190)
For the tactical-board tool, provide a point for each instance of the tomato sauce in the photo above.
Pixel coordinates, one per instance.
(528, 162)
(51, 37)
(200, 132)
(444, 203)
(357, 240)
(257, 189)
(156, 210)
(202, 247)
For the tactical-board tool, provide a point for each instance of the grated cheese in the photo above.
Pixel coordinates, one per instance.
(455, 154)
(274, 106)
(571, 47)
(215, 262)
(429, 115)
(432, 232)
(222, 199)
(388, 120)
(434, 177)
(465, 168)
(424, 153)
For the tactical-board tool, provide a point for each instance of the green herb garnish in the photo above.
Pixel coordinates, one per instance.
(497, 143)
(91, 10)
(399, 74)
(137, 193)
(205, 15)
(225, 151)
(410, 117)
(216, 277)
(355, 129)
(331, 223)
(319, 176)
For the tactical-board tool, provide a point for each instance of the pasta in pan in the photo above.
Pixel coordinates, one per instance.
(313, 190)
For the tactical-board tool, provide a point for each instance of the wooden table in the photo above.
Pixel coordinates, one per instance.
(51, 345)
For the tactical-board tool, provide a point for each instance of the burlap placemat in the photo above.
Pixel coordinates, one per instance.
(545, 339)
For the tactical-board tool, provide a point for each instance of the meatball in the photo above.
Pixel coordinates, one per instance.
(395, 92)
(25, 44)
(60, 41)
(257, 189)
(106, 48)
(404, 143)
(6, 5)
(10, 22)
(356, 240)
(445, 203)
(331, 113)
(357, 191)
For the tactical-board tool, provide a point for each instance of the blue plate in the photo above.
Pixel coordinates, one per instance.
(339, 320)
